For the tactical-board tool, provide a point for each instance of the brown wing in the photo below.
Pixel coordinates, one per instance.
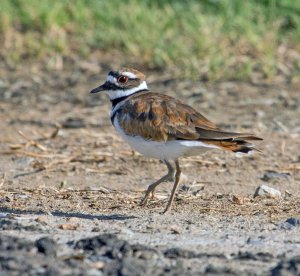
(161, 118)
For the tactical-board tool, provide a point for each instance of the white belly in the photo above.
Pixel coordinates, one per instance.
(169, 150)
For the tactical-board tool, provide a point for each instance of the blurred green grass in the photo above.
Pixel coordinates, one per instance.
(216, 39)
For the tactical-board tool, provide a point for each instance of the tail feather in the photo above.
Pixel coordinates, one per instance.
(221, 135)
(233, 141)
(234, 145)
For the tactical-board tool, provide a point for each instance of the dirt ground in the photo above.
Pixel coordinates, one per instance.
(70, 187)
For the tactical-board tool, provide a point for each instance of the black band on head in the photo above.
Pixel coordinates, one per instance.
(113, 74)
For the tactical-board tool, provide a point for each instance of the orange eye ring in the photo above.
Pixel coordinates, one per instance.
(122, 79)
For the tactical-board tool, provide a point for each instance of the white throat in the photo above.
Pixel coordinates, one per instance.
(114, 94)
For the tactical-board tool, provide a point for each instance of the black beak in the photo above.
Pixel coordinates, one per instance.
(104, 86)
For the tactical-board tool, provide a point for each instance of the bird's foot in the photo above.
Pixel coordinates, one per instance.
(149, 194)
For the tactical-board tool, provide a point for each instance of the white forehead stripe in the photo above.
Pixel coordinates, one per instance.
(129, 75)
(111, 79)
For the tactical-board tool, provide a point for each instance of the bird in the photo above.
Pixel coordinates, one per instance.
(163, 127)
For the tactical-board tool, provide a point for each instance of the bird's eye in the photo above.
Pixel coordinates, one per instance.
(122, 79)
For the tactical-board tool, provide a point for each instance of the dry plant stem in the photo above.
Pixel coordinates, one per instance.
(177, 179)
(168, 177)
(26, 153)
(32, 142)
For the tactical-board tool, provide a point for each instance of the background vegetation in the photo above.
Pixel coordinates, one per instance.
(216, 39)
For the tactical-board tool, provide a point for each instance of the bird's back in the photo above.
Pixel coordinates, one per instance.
(158, 117)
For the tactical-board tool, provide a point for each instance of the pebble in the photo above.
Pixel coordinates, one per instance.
(289, 224)
(175, 229)
(293, 221)
(240, 200)
(74, 123)
(46, 246)
(42, 220)
(270, 175)
(68, 226)
(266, 191)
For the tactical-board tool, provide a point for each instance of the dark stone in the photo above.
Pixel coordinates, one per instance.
(293, 221)
(287, 267)
(290, 223)
(96, 242)
(174, 253)
(219, 269)
(46, 246)
(107, 245)
(271, 175)
(96, 229)
(74, 123)
(260, 256)
(144, 252)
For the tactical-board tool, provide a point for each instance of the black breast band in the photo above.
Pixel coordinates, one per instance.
(114, 102)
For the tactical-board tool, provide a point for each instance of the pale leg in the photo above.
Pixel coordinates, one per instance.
(168, 177)
(176, 182)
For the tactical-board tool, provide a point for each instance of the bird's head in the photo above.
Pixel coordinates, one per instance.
(123, 82)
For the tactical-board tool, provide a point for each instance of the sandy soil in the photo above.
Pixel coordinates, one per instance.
(70, 188)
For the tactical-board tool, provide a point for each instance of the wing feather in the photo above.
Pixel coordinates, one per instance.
(162, 118)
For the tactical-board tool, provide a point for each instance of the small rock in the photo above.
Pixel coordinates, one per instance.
(247, 255)
(74, 123)
(293, 221)
(194, 189)
(219, 195)
(266, 191)
(98, 265)
(174, 253)
(272, 175)
(238, 199)
(143, 252)
(46, 246)
(42, 220)
(68, 226)
(287, 193)
(96, 242)
(175, 229)
(96, 229)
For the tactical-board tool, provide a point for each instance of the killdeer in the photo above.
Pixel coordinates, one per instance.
(159, 126)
